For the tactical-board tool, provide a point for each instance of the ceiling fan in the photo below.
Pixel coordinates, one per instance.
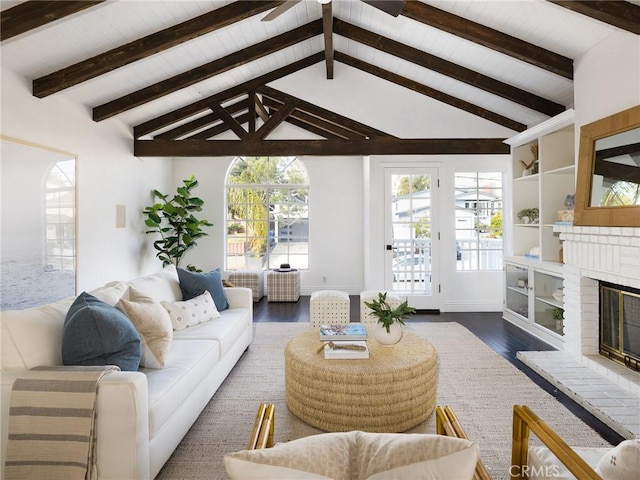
(391, 7)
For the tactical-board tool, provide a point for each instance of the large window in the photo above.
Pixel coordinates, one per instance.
(267, 213)
(478, 204)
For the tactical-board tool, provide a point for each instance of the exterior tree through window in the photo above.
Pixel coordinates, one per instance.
(267, 213)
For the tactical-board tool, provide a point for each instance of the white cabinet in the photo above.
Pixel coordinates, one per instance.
(533, 299)
(533, 260)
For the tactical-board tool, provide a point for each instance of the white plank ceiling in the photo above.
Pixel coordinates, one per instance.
(113, 23)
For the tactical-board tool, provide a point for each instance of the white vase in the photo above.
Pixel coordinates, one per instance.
(390, 338)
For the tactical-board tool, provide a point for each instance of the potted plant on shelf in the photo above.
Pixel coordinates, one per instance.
(529, 215)
(388, 328)
(173, 218)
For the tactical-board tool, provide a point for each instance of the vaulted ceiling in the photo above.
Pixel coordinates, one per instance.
(195, 78)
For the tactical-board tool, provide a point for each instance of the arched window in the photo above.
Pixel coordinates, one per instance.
(267, 213)
(60, 233)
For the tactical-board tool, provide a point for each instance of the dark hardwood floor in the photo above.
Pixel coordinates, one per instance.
(503, 337)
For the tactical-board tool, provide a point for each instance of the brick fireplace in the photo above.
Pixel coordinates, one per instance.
(593, 254)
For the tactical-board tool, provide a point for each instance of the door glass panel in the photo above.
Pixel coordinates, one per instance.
(411, 233)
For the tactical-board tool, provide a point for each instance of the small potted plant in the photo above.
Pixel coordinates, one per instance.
(388, 328)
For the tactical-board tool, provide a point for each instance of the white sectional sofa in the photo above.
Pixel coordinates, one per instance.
(141, 415)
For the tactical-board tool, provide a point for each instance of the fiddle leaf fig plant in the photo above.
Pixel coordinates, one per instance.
(173, 218)
(387, 315)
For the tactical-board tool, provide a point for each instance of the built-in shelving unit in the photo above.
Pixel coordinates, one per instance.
(533, 250)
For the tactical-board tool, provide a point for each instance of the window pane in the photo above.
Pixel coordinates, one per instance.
(275, 218)
(478, 220)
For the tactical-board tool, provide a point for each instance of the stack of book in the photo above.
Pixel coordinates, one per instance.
(344, 341)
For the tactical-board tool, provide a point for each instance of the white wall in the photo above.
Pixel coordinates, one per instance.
(607, 78)
(107, 175)
(335, 210)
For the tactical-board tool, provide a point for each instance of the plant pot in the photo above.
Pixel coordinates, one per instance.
(384, 338)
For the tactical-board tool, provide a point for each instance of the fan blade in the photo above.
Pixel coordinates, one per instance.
(279, 10)
(392, 7)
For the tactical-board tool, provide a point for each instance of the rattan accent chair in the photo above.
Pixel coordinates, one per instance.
(525, 422)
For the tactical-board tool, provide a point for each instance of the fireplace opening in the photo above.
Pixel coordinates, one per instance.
(620, 324)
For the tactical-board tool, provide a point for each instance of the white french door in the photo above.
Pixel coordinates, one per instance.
(411, 235)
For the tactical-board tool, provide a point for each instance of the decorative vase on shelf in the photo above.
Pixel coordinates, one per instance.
(384, 338)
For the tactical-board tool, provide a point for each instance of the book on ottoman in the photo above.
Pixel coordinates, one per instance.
(339, 333)
(356, 349)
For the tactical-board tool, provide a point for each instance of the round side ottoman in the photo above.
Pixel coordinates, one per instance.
(329, 307)
(391, 391)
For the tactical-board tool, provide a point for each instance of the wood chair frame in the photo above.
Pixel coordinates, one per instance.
(447, 424)
(263, 427)
(525, 422)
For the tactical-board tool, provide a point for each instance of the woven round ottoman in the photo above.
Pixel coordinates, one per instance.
(329, 307)
(391, 391)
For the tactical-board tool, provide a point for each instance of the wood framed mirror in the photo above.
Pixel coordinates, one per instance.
(608, 182)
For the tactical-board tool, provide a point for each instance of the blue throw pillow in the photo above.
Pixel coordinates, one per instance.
(95, 333)
(193, 284)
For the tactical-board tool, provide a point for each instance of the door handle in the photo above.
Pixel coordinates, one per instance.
(390, 247)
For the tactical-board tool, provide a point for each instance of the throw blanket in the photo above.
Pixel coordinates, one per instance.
(51, 423)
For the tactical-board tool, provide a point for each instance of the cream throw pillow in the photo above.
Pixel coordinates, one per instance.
(621, 462)
(358, 455)
(153, 324)
(192, 312)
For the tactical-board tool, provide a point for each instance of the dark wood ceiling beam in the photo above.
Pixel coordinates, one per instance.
(146, 46)
(373, 146)
(231, 122)
(261, 111)
(219, 128)
(274, 121)
(29, 15)
(447, 68)
(624, 15)
(187, 111)
(201, 122)
(490, 38)
(323, 113)
(208, 70)
(252, 98)
(314, 124)
(430, 92)
(327, 29)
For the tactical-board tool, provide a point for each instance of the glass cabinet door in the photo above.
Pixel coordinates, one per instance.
(548, 294)
(517, 290)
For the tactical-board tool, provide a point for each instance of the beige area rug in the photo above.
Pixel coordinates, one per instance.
(476, 382)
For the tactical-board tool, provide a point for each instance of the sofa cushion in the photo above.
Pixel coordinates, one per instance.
(544, 465)
(153, 323)
(188, 365)
(621, 462)
(111, 292)
(32, 337)
(358, 455)
(226, 330)
(193, 284)
(189, 313)
(96, 333)
(163, 285)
